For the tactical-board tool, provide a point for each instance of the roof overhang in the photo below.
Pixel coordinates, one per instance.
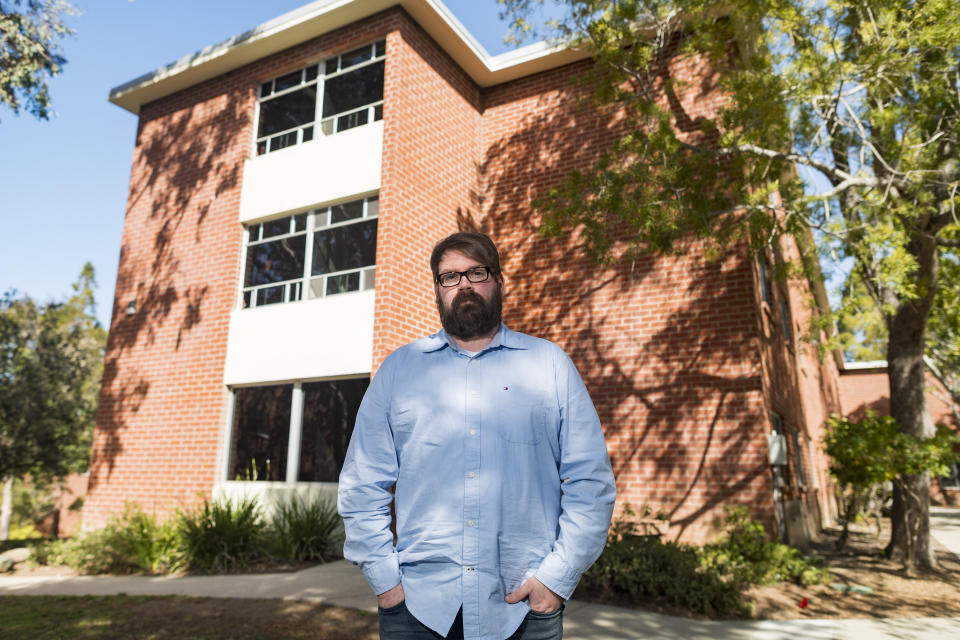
(324, 16)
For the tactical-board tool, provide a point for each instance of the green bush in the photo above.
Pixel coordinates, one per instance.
(130, 543)
(223, 535)
(645, 567)
(307, 530)
(745, 557)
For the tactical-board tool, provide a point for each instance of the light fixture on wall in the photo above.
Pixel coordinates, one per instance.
(131, 307)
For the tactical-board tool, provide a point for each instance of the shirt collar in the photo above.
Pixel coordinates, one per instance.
(503, 338)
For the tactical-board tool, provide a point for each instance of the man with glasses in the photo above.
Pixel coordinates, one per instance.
(503, 489)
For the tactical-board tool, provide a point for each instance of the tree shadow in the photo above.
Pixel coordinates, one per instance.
(187, 162)
(666, 345)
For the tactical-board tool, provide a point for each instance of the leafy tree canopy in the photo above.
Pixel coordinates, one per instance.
(30, 31)
(51, 359)
(837, 120)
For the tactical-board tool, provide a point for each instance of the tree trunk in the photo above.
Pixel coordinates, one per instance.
(910, 518)
(6, 509)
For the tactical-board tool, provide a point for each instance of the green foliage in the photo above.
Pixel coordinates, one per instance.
(305, 530)
(745, 556)
(222, 535)
(51, 360)
(709, 579)
(644, 567)
(873, 450)
(30, 31)
(131, 542)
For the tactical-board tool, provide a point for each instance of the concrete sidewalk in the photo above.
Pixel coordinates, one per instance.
(342, 584)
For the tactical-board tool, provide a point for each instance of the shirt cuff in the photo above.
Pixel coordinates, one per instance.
(558, 576)
(384, 574)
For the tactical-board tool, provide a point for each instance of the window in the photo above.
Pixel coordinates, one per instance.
(785, 318)
(320, 415)
(951, 481)
(318, 253)
(766, 288)
(341, 93)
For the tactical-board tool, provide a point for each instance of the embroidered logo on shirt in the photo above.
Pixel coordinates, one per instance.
(505, 388)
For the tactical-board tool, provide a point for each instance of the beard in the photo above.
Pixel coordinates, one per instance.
(470, 315)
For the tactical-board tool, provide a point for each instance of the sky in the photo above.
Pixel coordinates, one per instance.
(63, 182)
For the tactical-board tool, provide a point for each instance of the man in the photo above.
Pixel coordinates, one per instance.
(503, 488)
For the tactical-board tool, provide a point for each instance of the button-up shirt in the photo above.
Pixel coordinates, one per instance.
(501, 473)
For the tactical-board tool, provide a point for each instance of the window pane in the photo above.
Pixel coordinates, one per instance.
(254, 232)
(343, 283)
(266, 89)
(330, 66)
(270, 295)
(283, 141)
(276, 227)
(368, 278)
(300, 222)
(288, 111)
(275, 261)
(311, 73)
(287, 81)
(378, 113)
(352, 120)
(348, 247)
(329, 411)
(373, 207)
(381, 48)
(261, 428)
(307, 134)
(346, 211)
(355, 57)
(353, 90)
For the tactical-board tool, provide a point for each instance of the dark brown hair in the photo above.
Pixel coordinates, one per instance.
(474, 245)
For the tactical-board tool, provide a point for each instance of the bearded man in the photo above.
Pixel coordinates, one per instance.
(503, 490)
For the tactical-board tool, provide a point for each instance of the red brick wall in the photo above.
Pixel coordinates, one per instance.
(431, 144)
(667, 346)
(162, 406)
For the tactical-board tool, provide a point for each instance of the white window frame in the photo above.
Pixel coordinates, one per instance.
(294, 434)
(319, 125)
(301, 288)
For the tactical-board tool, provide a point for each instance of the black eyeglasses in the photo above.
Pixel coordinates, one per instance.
(474, 274)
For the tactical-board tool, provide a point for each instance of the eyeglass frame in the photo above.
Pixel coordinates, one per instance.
(461, 274)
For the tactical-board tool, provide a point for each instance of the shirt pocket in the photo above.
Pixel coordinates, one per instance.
(521, 422)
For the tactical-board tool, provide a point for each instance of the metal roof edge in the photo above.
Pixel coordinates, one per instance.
(323, 16)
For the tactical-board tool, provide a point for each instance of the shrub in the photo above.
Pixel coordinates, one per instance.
(129, 543)
(745, 557)
(222, 535)
(307, 530)
(645, 567)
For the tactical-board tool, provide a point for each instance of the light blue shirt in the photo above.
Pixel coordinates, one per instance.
(501, 474)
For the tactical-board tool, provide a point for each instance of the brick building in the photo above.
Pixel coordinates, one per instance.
(287, 187)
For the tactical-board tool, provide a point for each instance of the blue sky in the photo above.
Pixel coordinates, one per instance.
(64, 181)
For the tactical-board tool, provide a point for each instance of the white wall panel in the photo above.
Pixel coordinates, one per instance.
(317, 172)
(330, 336)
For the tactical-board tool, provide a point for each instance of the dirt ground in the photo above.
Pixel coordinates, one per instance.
(893, 593)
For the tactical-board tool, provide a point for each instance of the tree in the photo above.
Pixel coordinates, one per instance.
(30, 31)
(51, 360)
(840, 124)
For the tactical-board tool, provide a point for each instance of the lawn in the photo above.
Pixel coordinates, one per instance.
(57, 617)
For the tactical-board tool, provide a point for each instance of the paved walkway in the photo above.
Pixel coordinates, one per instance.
(342, 584)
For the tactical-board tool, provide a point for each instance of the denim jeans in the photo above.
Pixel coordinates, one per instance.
(396, 623)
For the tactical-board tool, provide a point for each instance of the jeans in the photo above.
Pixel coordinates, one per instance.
(396, 623)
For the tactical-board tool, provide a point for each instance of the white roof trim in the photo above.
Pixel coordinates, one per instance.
(323, 16)
(871, 364)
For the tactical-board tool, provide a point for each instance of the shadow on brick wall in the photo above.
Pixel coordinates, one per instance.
(676, 384)
(184, 160)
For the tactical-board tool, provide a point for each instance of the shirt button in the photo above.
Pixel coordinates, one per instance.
(471, 474)
(469, 523)
(473, 432)
(469, 569)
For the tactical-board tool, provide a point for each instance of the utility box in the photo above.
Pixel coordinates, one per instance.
(778, 449)
(797, 534)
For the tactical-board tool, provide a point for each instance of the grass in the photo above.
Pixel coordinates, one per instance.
(160, 618)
